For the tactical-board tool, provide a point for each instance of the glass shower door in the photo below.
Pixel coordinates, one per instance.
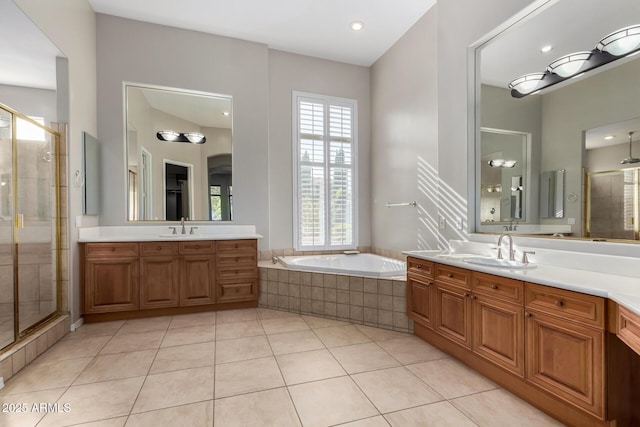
(7, 280)
(36, 218)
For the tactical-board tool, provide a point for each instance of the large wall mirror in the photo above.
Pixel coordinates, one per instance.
(179, 157)
(585, 124)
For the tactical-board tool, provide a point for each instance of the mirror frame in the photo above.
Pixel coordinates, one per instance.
(126, 171)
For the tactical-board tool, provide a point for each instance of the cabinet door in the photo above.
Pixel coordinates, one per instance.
(498, 333)
(566, 360)
(419, 300)
(197, 280)
(159, 282)
(111, 284)
(453, 313)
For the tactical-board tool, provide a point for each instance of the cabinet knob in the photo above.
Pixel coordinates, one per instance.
(559, 303)
(466, 294)
(197, 246)
(430, 283)
(449, 275)
(527, 315)
(494, 286)
(419, 267)
(474, 297)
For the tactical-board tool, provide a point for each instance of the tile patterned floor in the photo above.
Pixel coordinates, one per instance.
(253, 367)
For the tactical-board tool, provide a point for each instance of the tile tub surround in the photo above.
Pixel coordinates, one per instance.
(267, 255)
(324, 372)
(368, 301)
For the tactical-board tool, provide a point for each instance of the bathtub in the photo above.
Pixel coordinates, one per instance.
(369, 265)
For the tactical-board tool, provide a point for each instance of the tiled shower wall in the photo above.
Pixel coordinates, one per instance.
(369, 301)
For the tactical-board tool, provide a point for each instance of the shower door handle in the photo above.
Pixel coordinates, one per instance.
(19, 220)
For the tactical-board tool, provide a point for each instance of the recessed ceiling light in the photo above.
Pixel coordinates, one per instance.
(608, 137)
(545, 49)
(357, 25)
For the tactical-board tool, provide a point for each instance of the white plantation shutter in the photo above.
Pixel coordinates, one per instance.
(324, 171)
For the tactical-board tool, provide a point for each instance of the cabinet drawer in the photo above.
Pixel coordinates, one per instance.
(453, 275)
(237, 272)
(158, 248)
(628, 329)
(236, 245)
(419, 266)
(498, 287)
(99, 250)
(236, 259)
(239, 291)
(587, 309)
(197, 247)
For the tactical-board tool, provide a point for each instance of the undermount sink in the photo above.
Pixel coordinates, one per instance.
(498, 263)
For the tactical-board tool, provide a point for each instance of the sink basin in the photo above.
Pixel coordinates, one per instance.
(498, 263)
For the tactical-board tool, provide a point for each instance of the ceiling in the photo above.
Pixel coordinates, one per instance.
(319, 28)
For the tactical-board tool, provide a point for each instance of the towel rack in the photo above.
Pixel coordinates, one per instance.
(396, 205)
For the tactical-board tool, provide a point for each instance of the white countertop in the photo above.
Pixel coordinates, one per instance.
(142, 233)
(623, 289)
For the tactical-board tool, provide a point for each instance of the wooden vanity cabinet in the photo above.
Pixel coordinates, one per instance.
(420, 288)
(566, 345)
(110, 273)
(237, 270)
(452, 304)
(197, 273)
(159, 275)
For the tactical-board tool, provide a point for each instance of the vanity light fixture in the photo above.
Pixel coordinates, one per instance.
(569, 65)
(620, 43)
(173, 136)
(357, 25)
(545, 49)
(501, 163)
(226, 113)
(609, 137)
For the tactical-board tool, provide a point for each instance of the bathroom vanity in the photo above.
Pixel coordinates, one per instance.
(150, 275)
(562, 351)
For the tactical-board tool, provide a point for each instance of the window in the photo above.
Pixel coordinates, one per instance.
(27, 131)
(325, 147)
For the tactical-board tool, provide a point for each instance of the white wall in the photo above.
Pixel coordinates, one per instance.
(31, 101)
(133, 51)
(71, 25)
(289, 72)
(404, 122)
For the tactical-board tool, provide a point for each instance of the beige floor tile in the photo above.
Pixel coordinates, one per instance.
(244, 328)
(499, 408)
(247, 376)
(309, 366)
(95, 330)
(439, 414)
(284, 324)
(136, 326)
(411, 349)
(378, 421)
(363, 357)
(45, 376)
(320, 322)
(329, 402)
(395, 389)
(242, 349)
(294, 342)
(196, 415)
(20, 413)
(451, 378)
(243, 315)
(175, 388)
(189, 335)
(267, 408)
(193, 319)
(112, 422)
(74, 349)
(117, 366)
(134, 342)
(94, 402)
(341, 335)
(184, 357)
(265, 313)
(379, 334)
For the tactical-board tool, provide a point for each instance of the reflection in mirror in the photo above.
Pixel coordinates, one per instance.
(91, 195)
(559, 117)
(503, 164)
(552, 194)
(168, 180)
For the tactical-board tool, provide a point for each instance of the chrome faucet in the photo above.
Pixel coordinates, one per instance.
(512, 253)
(184, 230)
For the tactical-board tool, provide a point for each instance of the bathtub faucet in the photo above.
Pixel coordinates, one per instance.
(275, 260)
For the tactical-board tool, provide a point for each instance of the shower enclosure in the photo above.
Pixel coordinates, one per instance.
(613, 204)
(29, 225)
